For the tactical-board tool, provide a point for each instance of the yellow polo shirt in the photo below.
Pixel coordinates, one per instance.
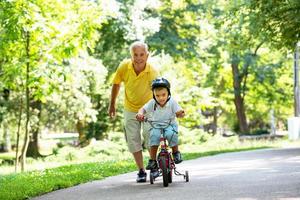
(137, 87)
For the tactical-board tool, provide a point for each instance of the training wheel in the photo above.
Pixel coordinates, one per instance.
(187, 179)
(151, 178)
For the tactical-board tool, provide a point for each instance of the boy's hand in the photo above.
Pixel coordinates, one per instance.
(140, 117)
(180, 114)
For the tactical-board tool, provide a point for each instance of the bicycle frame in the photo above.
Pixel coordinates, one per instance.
(164, 157)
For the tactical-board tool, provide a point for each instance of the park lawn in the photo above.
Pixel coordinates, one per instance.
(31, 184)
(18, 186)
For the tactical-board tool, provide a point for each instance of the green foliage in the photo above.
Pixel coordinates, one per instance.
(112, 47)
(271, 87)
(179, 27)
(131, 21)
(280, 21)
(194, 44)
(80, 93)
(184, 86)
(236, 41)
(68, 82)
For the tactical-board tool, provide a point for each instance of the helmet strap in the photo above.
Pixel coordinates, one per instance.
(157, 101)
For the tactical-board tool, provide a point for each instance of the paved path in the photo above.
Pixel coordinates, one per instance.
(261, 174)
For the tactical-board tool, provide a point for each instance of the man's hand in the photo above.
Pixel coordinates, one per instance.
(111, 111)
(140, 117)
(114, 93)
(180, 114)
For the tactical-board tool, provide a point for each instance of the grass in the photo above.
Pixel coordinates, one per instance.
(16, 186)
(30, 184)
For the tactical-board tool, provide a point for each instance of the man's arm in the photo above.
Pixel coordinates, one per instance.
(112, 105)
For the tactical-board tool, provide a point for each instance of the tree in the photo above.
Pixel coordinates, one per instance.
(4, 119)
(36, 35)
(179, 29)
(237, 59)
(280, 21)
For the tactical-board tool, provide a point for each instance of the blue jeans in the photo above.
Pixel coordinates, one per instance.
(170, 133)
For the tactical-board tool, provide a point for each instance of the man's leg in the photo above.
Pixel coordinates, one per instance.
(134, 142)
(138, 157)
(142, 175)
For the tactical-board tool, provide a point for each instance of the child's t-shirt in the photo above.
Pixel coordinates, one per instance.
(163, 114)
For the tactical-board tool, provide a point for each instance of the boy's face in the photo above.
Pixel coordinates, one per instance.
(139, 56)
(161, 95)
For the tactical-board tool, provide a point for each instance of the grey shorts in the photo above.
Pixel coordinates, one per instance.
(136, 133)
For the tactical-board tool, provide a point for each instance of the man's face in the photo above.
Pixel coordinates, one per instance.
(161, 95)
(139, 56)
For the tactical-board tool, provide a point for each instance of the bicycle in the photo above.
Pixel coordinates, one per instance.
(165, 160)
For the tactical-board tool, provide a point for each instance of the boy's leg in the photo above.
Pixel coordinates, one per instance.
(153, 152)
(172, 136)
(154, 142)
(175, 149)
(152, 163)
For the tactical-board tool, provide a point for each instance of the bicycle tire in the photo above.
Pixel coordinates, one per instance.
(151, 178)
(187, 178)
(170, 176)
(164, 171)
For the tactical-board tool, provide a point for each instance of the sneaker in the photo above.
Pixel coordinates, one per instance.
(177, 157)
(152, 164)
(155, 173)
(141, 176)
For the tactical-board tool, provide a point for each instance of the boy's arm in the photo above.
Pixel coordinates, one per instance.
(180, 114)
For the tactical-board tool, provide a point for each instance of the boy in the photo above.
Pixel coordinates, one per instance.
(163, 108)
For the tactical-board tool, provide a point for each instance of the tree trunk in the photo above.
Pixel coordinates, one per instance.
(83, 141)
(6, 137)
(26, 137)
(33, 147)
(6, 132)
(215, 120)
(18, 135)
(239, 100)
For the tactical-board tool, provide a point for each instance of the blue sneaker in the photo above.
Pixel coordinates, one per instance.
(155, 173)
(177, 157)
(152, 164)
(141, 176)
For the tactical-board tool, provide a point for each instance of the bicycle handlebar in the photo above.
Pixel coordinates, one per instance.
(158, 124)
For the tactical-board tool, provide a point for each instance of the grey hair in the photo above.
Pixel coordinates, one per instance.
(138, 44)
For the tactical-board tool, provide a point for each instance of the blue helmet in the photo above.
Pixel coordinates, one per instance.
(161, 82)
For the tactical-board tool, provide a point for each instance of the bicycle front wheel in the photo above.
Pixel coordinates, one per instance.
(164, 171)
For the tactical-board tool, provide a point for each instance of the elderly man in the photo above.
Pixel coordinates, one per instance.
(137, 76)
